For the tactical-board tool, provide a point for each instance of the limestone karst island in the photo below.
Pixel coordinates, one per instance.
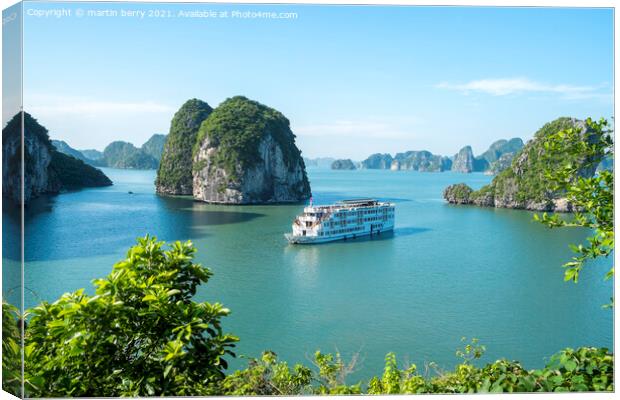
(523, 184)
(203, 199)
(241, 152)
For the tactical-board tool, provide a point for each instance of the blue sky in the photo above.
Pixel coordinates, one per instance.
(352, 80)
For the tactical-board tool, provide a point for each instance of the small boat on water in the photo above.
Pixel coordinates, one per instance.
(347, 219)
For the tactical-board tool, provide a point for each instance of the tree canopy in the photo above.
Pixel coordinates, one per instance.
(591, 196)
(174, 175)
(141, 334)
(237, 126)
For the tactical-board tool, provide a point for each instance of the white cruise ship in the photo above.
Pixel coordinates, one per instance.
(347, 219)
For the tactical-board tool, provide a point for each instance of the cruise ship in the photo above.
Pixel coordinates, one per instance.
(347, 219)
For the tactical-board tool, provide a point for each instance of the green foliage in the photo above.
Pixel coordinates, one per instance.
(484, 192)
(174, 175)
(414, 160)
(472, 351)
(502, 163)
(63, 147)
(267, 377)
(526, 182)
(396, 381)
(63, 171)
(236, 128)
(32, 130)
(378, 161)
(332, 374)
(125, 155)
(533, 179)
(11, 350)
(92, 155)
(74, 173)
(591, 196)
(501, 147)
(141, 334)
(458, 194)
(11, 141)
(583, 369)
(154, 147)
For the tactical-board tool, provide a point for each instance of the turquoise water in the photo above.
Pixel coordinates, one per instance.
(446, 271)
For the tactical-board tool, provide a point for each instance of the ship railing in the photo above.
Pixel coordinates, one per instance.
(314, 209)
(322, 218)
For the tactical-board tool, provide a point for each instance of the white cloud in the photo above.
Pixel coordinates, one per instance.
(86, 122)
(509, 86)
(46, 105)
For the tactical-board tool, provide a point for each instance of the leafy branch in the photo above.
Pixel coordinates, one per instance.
(591, 197)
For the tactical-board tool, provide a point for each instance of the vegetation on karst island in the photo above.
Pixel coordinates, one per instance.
(142, 334)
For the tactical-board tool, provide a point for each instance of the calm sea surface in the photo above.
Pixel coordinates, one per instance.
(446, 272)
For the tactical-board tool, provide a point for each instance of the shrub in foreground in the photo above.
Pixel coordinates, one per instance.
(141, 334)
(583, 369)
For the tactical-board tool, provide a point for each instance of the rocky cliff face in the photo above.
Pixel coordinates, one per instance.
(245, 154)
(423, 161)
(502, 163)
(64, 148)
(499, 156)
(154, 147)
(125, 155)
(524, 185)
(91, 154)
(501, 147)
(378, 161)
(458, 194)
(37, 156)
(463, 160)
(119, 154)
(343, 164)
(46, 170)
(320, 162)
(174, 176)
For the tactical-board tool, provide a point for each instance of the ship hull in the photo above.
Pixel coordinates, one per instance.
(294, 239)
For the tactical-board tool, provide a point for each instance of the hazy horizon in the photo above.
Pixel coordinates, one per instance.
(334, 156)
(353, 80)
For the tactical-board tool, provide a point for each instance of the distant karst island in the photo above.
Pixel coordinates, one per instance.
(244, 152)
(320, 162)
(492, 161)
(464, 161)
(47, 170)
(119, 154)
(241, 152)
(344, 164)
(522, 184)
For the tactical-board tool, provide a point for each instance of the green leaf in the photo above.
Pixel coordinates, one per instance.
(570, 365)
